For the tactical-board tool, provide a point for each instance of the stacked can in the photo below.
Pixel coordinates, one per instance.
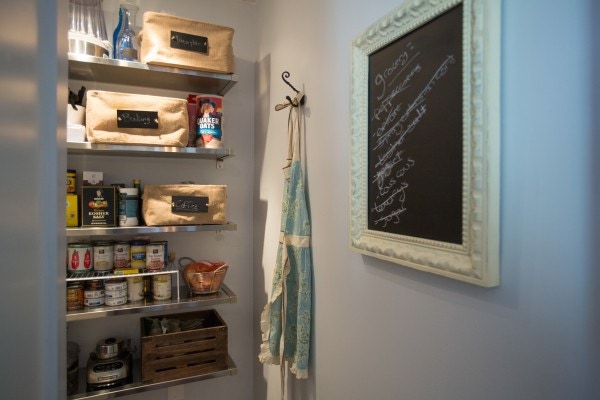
(103, 256)
(74, 296)
(80, 257)
(155, 256)
(135, 288)
(138, 253)
(161, 287)
(93, 294)
(122, 255)
(115, 291)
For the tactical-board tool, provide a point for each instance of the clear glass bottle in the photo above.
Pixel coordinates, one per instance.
(128, 44)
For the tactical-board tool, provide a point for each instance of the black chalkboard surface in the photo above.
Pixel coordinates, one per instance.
(415, 128)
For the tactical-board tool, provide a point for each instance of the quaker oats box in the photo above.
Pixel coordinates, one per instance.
(99, 206)
(173, 41)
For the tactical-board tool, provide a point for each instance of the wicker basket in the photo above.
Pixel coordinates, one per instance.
(203, 277)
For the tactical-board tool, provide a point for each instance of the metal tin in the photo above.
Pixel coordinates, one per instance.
(95, 284)
(114, 294)
(138, 253)
(148, 285)
(71, 181)
(122, 255)
(93, 294)
(161, 287)
(117, 301)
(155, 256)
(115, 284)
(93, 302)
(135, 288)
(103, 256)
(74, 296)
(79, 257)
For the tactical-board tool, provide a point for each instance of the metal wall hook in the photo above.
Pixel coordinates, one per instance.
(284, 76)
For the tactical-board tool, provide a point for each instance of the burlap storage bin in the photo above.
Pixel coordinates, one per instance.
(122, 118)
(184, 204)
(185, 43)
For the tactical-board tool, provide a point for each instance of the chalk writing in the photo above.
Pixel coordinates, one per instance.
(393, 119)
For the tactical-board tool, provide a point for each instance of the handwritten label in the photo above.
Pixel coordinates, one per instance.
(415, 132)
(189, 204)
(185, 41)
(137, 119)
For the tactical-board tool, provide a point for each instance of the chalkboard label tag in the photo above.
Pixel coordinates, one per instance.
(189, 204)
(137, 119)
(185, 41)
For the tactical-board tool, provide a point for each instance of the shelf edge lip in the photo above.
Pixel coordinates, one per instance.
(139, 387)
(129, 230)
(111, 62)
(125, 149)
(229, 297)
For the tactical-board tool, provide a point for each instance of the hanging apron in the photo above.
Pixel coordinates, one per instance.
(287, 317)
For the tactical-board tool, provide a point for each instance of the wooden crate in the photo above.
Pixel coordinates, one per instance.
(184, 354)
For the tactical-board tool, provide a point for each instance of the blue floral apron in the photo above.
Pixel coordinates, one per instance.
(287, 317)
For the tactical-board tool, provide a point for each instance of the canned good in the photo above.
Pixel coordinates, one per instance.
(148, 286)
(135, 288)
(95, 284)
(93, 302)
(93, 294)
(161, 287)
(103, 256)
(79, 257)
(115, 284)
(155, 256)
(74, 296)
(122, 255)
(94, 290)
(114, 294)
(138, 253)
(118, 301)
(71, 181)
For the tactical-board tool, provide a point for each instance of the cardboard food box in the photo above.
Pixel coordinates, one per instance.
(99, 206)
(189, 352)
(173, 41)
(184, 204)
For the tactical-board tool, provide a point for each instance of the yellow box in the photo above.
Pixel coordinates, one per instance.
(72, 210)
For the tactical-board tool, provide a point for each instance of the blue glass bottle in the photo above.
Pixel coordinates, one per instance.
(116, 32)
(128, 45)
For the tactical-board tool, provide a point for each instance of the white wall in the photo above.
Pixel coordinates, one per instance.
(382, 331)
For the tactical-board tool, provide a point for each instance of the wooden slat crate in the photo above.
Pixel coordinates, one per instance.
(187, 353)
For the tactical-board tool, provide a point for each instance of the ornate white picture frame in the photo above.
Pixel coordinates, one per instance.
(474, 257)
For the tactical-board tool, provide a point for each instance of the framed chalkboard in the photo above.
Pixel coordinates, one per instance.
(425, 148)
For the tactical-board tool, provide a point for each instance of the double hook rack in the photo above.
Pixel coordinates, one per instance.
(297, 101)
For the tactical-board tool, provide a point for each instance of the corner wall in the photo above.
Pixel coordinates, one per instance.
(383, 331)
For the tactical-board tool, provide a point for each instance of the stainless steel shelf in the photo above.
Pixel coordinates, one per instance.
(136, 230)
(138, 387)
(89, 68)
(186, 300)
(147, 151)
